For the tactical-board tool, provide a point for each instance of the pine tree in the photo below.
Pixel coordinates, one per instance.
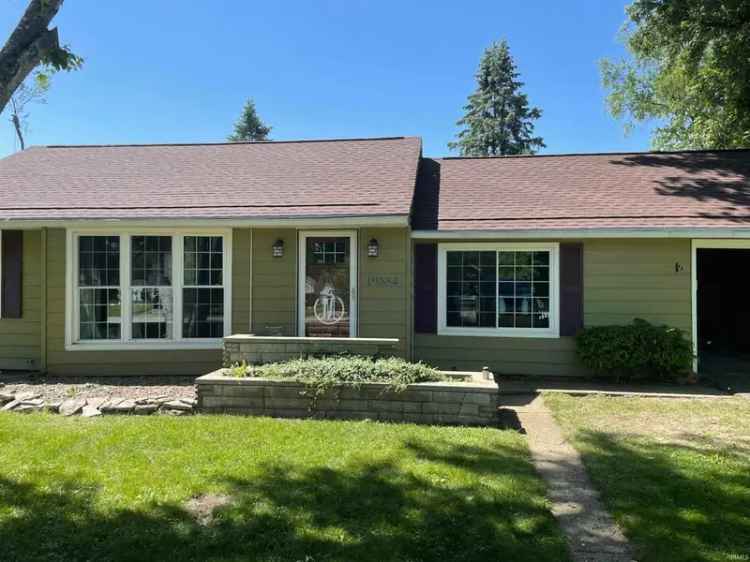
(249, 127)
(498, 119)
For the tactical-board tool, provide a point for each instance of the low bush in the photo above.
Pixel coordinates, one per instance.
(320, 374)
(636, 350)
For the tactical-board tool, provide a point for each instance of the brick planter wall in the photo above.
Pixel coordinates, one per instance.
(424, 403)
(255, 350)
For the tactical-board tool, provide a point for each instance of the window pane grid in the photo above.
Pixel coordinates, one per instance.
(498, 289)
(471, 300)
(203, 289)
(151, 295)
(99, 312)
(328, 250)
(137, 303)
(203, 261)
(523, 289)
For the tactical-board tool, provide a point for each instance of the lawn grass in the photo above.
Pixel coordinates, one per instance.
(675, 473)
(115, 488)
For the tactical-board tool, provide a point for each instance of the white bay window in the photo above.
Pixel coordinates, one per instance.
(498, 290)
(150, 290)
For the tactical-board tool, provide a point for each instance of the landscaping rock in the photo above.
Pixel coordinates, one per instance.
(24, 396)
(5, 398)
(25, 408)
(90, 411)
(158, 400)
(72, 406)
(108, 406)
(10, 406)
(96, 402)
(168, 412)
(145, 409)
(178, 405)
(54, 406)
(124, 407)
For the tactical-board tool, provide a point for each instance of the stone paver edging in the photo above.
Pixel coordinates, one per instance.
(33, 401)
(592, 534)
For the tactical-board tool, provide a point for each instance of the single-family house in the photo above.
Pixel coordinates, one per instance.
(139, 259)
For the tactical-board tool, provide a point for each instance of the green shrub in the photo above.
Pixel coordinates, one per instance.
(635, 350)
(321, 374)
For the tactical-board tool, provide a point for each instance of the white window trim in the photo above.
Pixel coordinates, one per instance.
(72, 293)
(554, 329)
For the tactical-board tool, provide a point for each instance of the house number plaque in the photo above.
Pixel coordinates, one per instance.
(384, 281)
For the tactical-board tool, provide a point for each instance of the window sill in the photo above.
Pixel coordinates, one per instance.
(498, 333)
(145, 346)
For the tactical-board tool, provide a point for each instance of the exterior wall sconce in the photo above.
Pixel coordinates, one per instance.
(373, 248)
(278, 248)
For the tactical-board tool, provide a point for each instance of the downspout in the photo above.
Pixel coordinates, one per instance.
(250, 283)
(409, 295)
(43, 302)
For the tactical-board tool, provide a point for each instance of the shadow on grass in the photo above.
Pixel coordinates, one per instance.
(674, 501)
(491, 507)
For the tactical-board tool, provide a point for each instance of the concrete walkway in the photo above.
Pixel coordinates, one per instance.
(576, 388)
(592, 534)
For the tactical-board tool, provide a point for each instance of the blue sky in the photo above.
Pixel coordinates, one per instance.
(169, 71)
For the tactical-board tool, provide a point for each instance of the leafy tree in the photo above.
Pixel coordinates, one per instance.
(498, 119)
(31, 45)
(249, 127)
(690, 71)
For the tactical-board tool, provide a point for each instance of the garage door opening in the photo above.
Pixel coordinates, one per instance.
(723, 314)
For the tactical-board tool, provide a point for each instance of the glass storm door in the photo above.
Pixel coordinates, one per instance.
(327, 284)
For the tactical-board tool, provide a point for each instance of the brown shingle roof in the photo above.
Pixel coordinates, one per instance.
(335, 178)
(639, 190)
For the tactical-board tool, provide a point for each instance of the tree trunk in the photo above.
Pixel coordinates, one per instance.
(27, 46)
(17, 123)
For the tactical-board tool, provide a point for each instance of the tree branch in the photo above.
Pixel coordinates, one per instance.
(28, 46)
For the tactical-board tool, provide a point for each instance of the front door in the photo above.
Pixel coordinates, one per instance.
(328, 284)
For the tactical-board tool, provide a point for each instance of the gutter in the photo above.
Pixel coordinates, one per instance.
(578, 233)
(349, 221)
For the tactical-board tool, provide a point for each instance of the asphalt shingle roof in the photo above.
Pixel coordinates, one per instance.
(638, 190)
(336, 178)
(377, 177)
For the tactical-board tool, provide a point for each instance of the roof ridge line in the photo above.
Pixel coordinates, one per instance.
(617, 153)
(223, 143)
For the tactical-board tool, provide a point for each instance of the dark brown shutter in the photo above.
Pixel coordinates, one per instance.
(571, 288)
(12, 267)
(425, 288)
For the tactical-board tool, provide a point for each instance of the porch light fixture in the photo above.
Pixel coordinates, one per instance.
(373, 248)
(278, 248)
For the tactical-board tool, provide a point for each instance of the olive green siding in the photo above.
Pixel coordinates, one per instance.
(241, 261)
(274, 286)
(132, 362)
(385, 287)
(626, 279)
(20, 338)
(507, 356)
(623, 279)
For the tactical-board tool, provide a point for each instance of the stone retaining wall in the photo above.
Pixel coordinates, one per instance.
(424, 403)
(255, 350)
